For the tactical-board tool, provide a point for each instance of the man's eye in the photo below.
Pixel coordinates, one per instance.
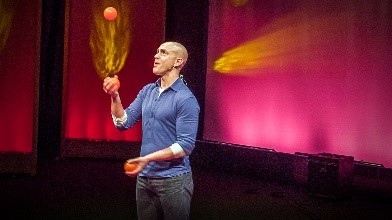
(162, 52)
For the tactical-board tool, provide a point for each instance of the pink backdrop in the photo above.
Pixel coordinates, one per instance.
(18, 65)
(87, 107)
(302, 76)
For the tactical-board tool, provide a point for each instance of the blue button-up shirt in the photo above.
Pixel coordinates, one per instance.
(167, 118)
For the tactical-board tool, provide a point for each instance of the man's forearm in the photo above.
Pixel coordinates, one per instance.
(164, 154)
(116, 106)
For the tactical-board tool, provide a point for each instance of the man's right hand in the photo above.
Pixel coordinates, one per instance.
(111, 85)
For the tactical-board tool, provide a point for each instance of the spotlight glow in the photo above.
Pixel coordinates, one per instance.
(110, 41)
(5, 23)
(284, 44)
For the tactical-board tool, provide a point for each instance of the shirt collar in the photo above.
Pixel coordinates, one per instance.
(175, 86)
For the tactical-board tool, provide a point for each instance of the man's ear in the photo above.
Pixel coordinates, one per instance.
(179, 62)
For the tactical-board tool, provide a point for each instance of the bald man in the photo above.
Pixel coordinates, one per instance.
(170, 114)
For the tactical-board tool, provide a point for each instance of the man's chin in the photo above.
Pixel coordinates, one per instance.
(155, 69)
(156, 72)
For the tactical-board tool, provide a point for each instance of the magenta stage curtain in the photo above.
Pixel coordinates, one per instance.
(301, 76)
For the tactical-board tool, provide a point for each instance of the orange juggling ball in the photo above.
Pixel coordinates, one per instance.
(110, 13)
(116, 83)
(130, 167)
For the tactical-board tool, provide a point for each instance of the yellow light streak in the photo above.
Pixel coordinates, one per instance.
(238, 3)
(287, 41)
(6, 15)
(110, 40)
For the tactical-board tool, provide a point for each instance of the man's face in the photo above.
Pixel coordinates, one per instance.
(165, 58)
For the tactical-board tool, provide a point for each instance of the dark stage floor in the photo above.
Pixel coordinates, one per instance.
(98, 189)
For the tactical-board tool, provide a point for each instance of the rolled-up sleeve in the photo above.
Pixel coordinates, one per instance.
(187, 124)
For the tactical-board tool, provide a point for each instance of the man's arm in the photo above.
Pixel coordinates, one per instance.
(117, 108)
(171, 152)
(111, 86)
(164, 154)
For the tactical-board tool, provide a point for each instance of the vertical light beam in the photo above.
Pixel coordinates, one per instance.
(110, 40)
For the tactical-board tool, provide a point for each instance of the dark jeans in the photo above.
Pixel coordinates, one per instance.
(164, 198)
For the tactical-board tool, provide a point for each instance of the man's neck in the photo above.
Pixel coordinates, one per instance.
(168, 79)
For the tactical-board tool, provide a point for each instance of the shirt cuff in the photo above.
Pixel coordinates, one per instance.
(120, 121)
(177, 149)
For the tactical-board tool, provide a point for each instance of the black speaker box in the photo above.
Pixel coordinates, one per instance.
(330, 175)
